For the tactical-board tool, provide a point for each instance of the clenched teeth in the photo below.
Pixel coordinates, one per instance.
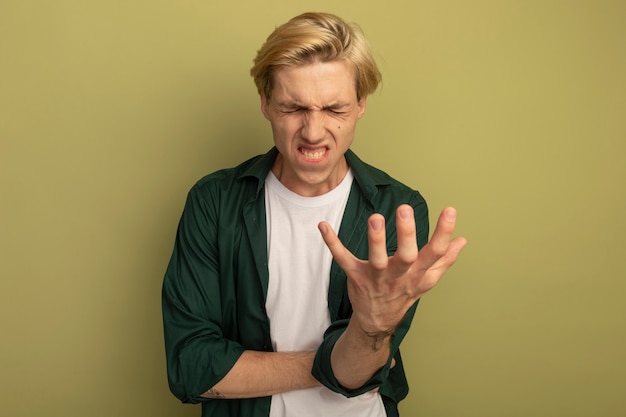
(313, 155)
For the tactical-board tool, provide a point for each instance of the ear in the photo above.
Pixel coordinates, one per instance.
(361, 107)
(264, 106)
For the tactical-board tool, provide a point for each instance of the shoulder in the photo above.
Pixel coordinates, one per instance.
(379, 186)
(384, 194)
(225, 177)
(247, 177)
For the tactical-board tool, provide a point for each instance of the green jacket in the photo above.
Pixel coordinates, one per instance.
(216, 282)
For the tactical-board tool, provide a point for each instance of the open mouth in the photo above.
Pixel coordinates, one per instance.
(314, 154)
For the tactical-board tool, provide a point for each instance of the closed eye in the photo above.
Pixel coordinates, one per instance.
(336, 110)
(289, 110)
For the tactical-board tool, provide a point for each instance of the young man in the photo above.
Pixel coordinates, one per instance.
(267, 311)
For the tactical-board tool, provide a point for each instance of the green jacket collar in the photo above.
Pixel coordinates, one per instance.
(367, 177)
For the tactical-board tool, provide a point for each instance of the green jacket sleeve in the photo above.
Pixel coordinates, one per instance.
(322, 369)
(197, 354)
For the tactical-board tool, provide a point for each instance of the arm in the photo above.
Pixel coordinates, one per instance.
(260, 374)
(207, 355)
(383, 289)
(357, 355)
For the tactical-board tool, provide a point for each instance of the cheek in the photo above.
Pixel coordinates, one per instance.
(284, 130)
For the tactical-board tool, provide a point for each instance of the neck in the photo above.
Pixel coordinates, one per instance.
(305, 189)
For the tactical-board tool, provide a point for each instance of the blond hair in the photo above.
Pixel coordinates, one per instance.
(316, 37)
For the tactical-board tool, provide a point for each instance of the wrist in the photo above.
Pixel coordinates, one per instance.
(378, 339)
(366, 339)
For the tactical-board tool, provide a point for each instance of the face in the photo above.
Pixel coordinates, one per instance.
(313, 112)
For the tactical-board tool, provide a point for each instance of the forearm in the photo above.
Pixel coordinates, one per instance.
(358, 355)
(260, 374)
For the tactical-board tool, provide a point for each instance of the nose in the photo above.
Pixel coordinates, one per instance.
(313, 129)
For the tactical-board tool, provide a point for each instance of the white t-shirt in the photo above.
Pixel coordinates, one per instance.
(297, 296)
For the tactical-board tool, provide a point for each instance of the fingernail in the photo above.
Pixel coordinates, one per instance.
(451, 214)
(405, 213)
(323, 229)
(377, 225)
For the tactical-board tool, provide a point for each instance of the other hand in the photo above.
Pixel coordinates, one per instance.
(383, 288)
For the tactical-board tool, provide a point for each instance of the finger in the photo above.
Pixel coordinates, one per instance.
(406, 253)
(340, 253)
(449, 258)
(441, 265)
(440, 240)
(455, 248)
(378, 257)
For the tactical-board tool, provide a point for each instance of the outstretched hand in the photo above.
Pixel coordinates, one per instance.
(383, 288)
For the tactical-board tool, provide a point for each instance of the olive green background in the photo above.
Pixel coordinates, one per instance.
(512, 111)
